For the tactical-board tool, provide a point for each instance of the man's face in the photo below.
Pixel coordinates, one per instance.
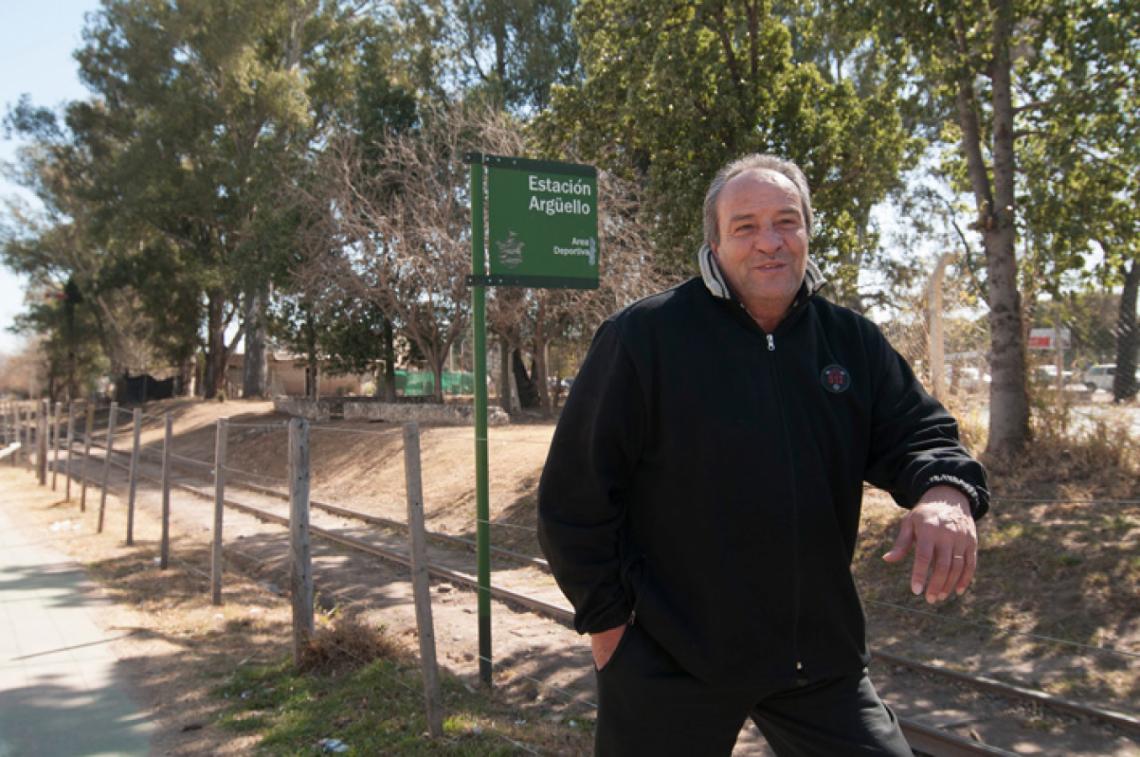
(763, 242)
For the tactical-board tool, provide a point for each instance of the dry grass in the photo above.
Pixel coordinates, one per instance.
(345, 643)
(1058, 559)
(1099, 462)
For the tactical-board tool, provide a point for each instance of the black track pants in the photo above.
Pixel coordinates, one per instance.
(647, 705)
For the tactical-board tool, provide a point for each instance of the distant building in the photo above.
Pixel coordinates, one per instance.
(287, 377)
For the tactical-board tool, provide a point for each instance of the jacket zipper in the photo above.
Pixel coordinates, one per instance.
(798, 663)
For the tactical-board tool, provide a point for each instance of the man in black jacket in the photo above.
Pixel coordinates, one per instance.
(700, 503)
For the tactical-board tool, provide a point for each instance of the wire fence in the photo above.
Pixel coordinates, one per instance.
(12, 428)
(982, 624)
(358, 431)
(258, 426)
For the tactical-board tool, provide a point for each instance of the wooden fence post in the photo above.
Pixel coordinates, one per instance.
(133, 479)
(421, 587)
(29, 434)
(18, 416)
(70, 450)
(14, 432)
(164, 548)
(24, 434)
(42, 442)
(112, 416)
(55, 444)
(219, 505)
(88, 430)
(47, 427)
(300, 562)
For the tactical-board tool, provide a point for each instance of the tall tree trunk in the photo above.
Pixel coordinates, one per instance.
(389, 361)
(505, 394)
(1009, 400)
(437, 362)
(312, 361)
(214, 377)
(540, 376)
(186, 372)
(540, 340)
(255, 372)
(1127, 338)
(312, 379)
(528, 393)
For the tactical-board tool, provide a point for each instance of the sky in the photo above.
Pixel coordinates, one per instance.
(36, 42)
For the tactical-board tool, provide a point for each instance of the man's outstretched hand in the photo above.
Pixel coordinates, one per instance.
(941, 531)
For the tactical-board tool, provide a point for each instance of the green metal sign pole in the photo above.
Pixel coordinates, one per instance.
(482, 504)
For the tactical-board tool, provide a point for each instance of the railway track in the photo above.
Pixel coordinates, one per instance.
(922, 737)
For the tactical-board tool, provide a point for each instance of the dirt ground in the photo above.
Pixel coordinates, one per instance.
(183, 643)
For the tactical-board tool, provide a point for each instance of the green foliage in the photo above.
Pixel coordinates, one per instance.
(1078, 151)
(71, 339)
(200, 112)
(1074, 119)
(171, 194)
(675, 90)
(513, 51)
(346, 333)
(504, 54)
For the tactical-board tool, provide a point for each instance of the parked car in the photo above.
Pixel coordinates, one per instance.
(1100, 376)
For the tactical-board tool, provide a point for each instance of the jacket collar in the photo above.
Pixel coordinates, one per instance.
(718, 286)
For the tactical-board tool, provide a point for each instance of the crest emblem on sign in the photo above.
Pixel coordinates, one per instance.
(835, 379)
(510, 250)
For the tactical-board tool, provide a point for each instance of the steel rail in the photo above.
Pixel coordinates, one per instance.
(935, 741)
(1119, 719)
(553, 611)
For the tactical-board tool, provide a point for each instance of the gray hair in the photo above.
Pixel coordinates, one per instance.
(755, 161)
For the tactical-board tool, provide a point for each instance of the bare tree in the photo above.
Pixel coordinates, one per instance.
(394, 231)
(406, 223)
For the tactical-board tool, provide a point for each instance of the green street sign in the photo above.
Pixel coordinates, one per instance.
(543, 219)
(543, 223)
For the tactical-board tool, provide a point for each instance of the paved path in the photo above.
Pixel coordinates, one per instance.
(61, 693)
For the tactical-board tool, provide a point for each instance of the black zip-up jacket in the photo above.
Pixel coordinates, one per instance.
(706, 478)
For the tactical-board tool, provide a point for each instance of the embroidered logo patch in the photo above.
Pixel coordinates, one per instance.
(835, 379)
